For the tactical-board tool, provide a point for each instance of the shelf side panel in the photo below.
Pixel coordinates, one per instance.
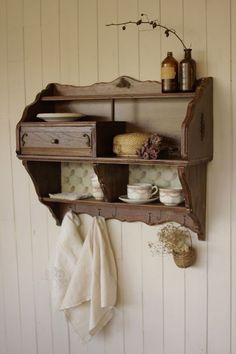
(197, 128)
(193, 180)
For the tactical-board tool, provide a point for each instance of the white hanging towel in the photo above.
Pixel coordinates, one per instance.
(66, 255)
(92, 291)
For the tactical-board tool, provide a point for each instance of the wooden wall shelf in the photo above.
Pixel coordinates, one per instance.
(112, 108)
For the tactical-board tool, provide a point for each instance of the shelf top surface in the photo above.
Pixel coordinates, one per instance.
(94, 202)
(123, 87)
(118, 96)
(113, 160)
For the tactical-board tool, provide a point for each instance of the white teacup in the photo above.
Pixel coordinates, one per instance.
(171, 196)
(141, 191)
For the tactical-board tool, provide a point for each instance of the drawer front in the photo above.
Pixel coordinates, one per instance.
(61, 141)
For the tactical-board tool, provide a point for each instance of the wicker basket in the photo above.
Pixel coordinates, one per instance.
(126, 145)
(185, 259)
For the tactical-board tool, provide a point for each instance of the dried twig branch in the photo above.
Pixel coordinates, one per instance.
(152, 23)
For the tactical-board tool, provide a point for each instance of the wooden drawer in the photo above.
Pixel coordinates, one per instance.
(63, 140)
(80, 139)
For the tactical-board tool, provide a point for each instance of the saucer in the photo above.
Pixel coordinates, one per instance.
(125, 199)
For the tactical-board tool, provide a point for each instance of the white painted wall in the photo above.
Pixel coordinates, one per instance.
(162, 309)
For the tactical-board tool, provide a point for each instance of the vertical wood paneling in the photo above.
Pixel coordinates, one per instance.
(152, 290)
(132, 287)
(21, 215)
(4, 178)
(40, 261)
(174, 307)
(3, 336)
(218, 54)
(233, 178)
(196, 301)
(8, 252)
(128, 39)
(149, 42)
(3, 61)
(69, 65)
(195, 32)
(88, 44)
(50, 42)
(107, 41)
(32, 49)
(15, 57)
(172, 16)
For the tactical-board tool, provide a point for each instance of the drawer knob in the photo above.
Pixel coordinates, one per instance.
(88, 141)
(54, 141)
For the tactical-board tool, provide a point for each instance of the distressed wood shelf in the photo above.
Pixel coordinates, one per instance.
(125, 104)
(150, 214)
(114, 160)
(119, 97)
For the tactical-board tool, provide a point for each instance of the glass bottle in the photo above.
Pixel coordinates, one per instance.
(187, 72)
(169, 74)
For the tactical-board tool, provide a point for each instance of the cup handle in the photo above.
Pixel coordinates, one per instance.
(154, 190)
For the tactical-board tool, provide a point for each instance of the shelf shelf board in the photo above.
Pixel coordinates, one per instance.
(119, 96)
(113, 160)
(98, 203)
(151, 214)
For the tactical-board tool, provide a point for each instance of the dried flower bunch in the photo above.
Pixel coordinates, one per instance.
(153, 23)
(172, 239)
(157, 146)
(177, 241)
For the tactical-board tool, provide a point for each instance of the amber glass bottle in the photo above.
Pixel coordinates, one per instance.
(169, 74)
(187, 72)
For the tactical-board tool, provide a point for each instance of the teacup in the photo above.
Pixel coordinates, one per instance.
(141, 191)
(171, 196)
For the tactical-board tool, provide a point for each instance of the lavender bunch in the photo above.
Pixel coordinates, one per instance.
(158, 146)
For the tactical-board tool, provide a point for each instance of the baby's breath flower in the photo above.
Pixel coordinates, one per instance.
(171, 239)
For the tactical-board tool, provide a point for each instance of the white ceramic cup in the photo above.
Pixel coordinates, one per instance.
(171, 196)
(141, 191)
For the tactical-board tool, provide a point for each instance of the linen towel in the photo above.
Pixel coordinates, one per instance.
(62, 264)
(92, 291)
(70, 195)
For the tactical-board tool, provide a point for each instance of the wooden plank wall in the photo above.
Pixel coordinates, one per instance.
(161, 308)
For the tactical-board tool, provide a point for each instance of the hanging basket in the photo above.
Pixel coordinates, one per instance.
(185, 259)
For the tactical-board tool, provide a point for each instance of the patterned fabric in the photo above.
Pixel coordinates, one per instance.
(76, 177)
